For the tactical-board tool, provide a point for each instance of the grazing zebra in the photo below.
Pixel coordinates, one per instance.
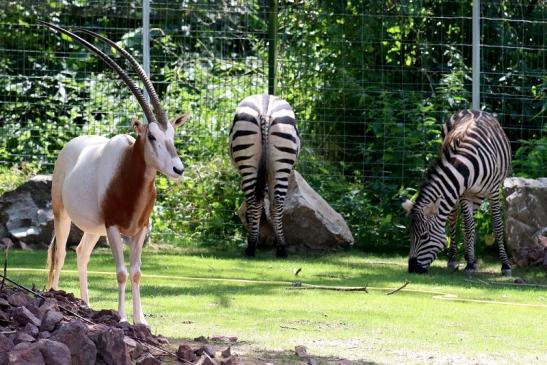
(264, 145)
(473, 162)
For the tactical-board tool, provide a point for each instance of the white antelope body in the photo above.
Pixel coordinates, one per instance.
(106, 186)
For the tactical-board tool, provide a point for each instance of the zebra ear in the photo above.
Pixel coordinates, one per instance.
(407, 204)
(432, 208)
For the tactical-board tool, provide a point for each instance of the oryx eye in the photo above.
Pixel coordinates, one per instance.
(151, 137)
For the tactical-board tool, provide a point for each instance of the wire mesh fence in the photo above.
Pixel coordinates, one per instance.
(370, 82)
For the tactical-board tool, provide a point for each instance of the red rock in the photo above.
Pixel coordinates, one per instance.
(185, 352)
(226, 353)
(23, 337)
(26, 353)
(50, 320)
(111, 347)
(149, 360)
(73, 335)
(18, 299)
(23, 316)
(206, 360)
(54, 353)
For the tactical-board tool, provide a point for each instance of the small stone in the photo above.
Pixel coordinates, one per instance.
(300, 351)
(230, 339)
(23, 316)
(148, 360)
(111, 347)
(207, 349)
(18, 299)
(312, 361)
(345, 362)
(44, 335)
(50, 320)
(201, 339)
(227, 361)
(26, 354)
(226, 353)
(73, 335)
(206, 360)
(31, 330)
(134, 348)
(23, 337)
(49, 304)
(4, 303)
(5, 346)
(519, 281)
(185, 352)
(54, 353)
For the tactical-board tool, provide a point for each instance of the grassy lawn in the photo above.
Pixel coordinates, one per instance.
(437, 318)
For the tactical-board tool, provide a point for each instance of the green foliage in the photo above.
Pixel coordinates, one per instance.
(371, 83)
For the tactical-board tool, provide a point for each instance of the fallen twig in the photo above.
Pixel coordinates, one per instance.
(298, 285)
(517, 284)
(400, 288)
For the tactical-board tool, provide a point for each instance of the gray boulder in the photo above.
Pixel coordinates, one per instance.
(26, 215)
(526, 220)
(310, 223)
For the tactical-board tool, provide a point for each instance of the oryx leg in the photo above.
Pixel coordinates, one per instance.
(57, 250)
(135, 272)
(83, 252)
(116, 244)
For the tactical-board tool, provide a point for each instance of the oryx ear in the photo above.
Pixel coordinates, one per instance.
(432, 208)
(137, 126)
(407, 204)
(180, 120)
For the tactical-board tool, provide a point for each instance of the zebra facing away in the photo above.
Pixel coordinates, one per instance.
(474, 160)
(264, 145)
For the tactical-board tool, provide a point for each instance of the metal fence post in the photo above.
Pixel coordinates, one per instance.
(476, 64)
(146, 41)
(272, 46)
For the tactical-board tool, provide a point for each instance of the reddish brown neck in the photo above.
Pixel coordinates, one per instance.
(131, 195)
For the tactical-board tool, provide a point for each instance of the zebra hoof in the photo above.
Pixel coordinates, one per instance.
(506, 272)
(453, 265)
(281, 252)
(470, 269)
(250, 252)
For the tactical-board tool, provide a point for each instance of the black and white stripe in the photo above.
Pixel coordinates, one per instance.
(264, 145)
(474, 160)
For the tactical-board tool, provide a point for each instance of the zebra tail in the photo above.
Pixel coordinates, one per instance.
(262, 166)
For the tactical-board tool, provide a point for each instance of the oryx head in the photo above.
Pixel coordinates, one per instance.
(158, 134)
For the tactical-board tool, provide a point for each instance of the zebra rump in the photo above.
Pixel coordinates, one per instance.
(474, 159)
(264, 146)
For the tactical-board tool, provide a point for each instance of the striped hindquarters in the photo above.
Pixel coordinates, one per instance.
(264, 143)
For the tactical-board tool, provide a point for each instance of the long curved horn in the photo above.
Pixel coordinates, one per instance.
(156, 103)
(110, 62)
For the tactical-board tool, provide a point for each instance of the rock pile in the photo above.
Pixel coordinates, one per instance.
(41, 330)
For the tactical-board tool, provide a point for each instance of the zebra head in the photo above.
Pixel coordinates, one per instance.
(427, 235)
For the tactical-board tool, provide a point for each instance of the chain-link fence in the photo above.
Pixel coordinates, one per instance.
(371, 83)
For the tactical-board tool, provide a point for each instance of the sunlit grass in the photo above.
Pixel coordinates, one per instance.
(192, 293)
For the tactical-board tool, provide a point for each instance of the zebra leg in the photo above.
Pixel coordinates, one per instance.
(254, 210)
(277, 217)
(469, 235)
(497, 224)
(453, 223)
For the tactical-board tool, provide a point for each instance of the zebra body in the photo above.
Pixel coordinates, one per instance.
(473, 162)
(264, 145)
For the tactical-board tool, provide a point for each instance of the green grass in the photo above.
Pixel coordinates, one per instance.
(434, 319)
